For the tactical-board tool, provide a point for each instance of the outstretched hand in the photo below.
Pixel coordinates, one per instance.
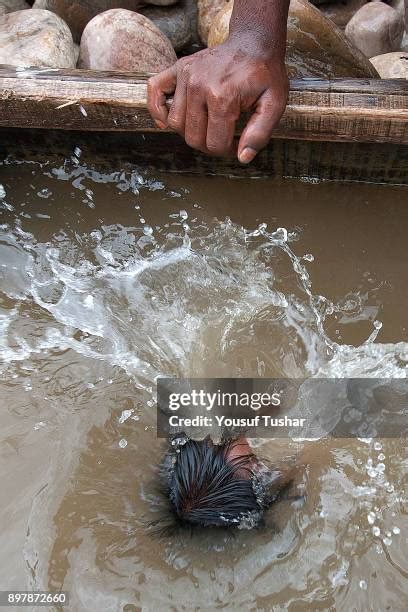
(210, 91)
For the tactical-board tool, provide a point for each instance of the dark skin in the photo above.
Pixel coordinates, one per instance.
(213, 87)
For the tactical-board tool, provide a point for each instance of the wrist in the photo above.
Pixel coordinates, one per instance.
(254, 44)
(259, 27)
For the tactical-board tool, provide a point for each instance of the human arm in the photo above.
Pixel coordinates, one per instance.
(213, 87)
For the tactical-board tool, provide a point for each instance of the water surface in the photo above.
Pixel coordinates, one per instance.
(112, 277)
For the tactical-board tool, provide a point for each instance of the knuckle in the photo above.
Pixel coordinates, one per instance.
(214, 98)
(220, 102)
(175, 122)
(217, 148)
(184, 71)
(194, 85)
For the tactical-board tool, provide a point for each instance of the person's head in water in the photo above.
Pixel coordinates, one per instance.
(213, 485)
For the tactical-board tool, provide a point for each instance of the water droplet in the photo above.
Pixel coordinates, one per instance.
(44, 193)
(39, 425)
(126, 414)
(89, 301)
(396, 530)
(183, 214)
(280, 234)
(376, 531)
(147, 230)
(123, 443)
(371, 518)
(387, 541)
(363, 585)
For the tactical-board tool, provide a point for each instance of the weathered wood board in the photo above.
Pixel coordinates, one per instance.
(308, 160)
(374, 111)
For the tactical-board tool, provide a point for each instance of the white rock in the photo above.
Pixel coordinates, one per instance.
(207, 10)
(391, 65)
(376, 29)
(77, 13)
(123, 40)
(36, 38)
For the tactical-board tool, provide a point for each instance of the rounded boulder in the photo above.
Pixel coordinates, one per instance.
(207, 11)
(376, 29)
(391, 65)
(36, 38)
(123, 40)
(77, 13)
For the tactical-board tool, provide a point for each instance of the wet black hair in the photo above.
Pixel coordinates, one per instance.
(207, 488)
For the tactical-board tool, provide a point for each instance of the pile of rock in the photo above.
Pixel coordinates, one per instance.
(378, 28)
(104, 34)
(332, 39)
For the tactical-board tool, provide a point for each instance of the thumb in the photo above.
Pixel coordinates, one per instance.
(158, 87)
(258, 131)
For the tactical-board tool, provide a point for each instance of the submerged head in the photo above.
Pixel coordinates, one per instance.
(214, 485)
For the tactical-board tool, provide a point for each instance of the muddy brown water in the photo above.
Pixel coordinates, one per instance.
(112, 277)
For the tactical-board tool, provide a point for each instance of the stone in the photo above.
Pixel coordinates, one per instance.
(77, 13)
(404, 42)
(376, 29)
(207, 11)
(316, 47)
(160, 2)
(123, 40)
(391, 65)
(36, 38)
(173, 22)
(10, 6)
(341, 12)
(191, 10)
(401, 6)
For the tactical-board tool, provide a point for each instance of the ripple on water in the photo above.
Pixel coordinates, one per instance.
(92, 315)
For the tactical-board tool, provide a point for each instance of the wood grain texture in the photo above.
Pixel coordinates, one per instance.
(308, 160)
(351, 110)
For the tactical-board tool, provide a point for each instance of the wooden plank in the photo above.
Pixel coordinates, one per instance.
(390, 86)
(309, 160)
(341, 110)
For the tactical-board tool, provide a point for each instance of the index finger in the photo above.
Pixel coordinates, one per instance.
(158, 87)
